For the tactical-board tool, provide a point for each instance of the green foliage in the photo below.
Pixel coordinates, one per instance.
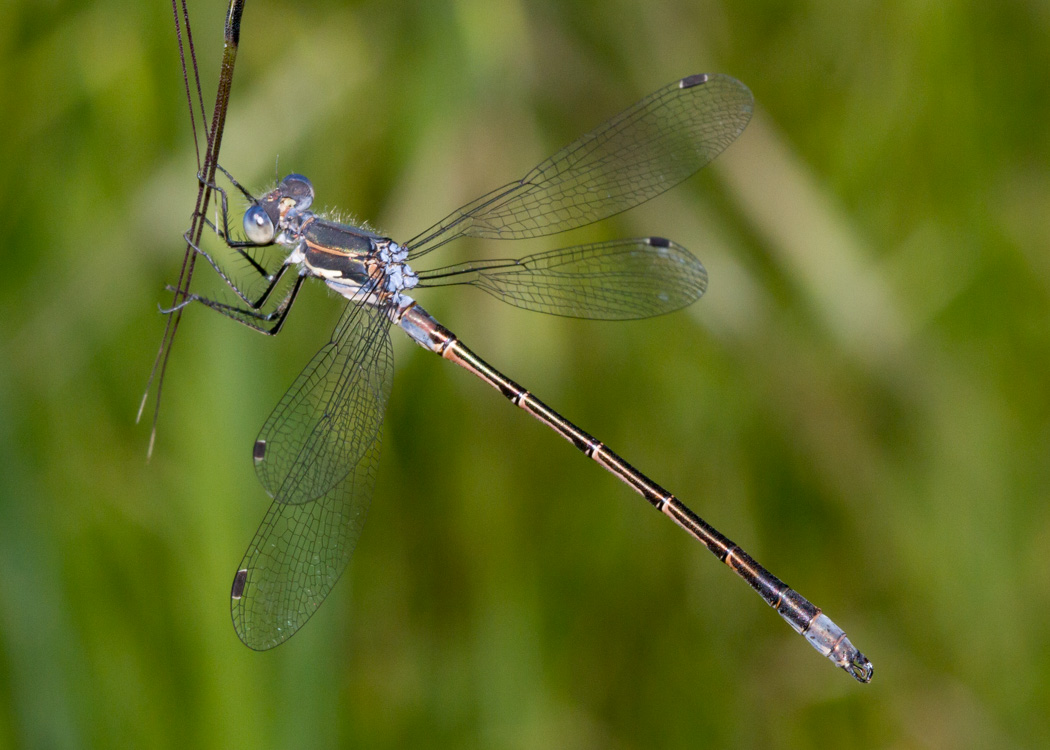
(860, 400)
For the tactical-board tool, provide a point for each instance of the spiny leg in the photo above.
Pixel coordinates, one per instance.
(272, 279)
(250, 317)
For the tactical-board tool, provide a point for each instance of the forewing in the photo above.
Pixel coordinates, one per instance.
(640, 153)
(297, 556)
(331, 414)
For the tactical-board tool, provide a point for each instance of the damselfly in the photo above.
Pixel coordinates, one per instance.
(316, 454)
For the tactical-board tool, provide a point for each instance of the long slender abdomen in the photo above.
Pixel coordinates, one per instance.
(801, 614)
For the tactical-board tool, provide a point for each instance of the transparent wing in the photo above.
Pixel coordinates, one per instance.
(331, 414)
(297, 556)
(619, 280)
(640, 153)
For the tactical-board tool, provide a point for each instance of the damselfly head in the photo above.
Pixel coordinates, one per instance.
(296, 188)
(261, 220)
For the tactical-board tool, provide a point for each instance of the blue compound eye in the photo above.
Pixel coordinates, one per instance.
(298, 188)
(257, 226)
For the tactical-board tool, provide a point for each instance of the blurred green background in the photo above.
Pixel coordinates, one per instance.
(861, 399)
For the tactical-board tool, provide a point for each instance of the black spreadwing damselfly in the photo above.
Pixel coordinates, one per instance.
(316, 455)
